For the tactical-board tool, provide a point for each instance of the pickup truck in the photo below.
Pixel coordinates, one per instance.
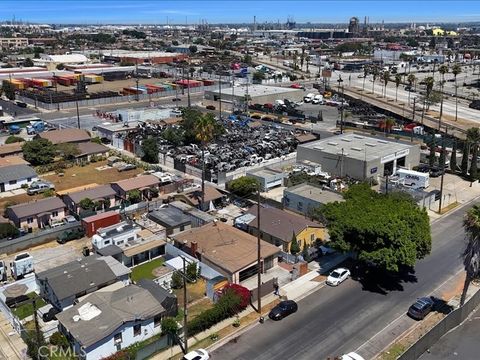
(70, 234)
(39, 187)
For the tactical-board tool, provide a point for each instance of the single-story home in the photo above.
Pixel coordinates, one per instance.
(194, 198)
(197, 217)
(228, 250)
(142, 183)
(62, 285)
(278, 227)
(170, 218)
(89, 149)
(305, 198)
(62, 136)
(103, 193)
(13, 177)
(106, 322)
(37, 214)
(11, 149)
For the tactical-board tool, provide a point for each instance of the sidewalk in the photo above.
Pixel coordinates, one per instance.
(12, 345)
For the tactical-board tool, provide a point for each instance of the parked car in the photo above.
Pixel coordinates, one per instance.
(38, 187)
(69, 219)
(422, 168)
(338, 276)
(352, 356)
(21, 104)
(198, 354)
(409, 88)
(70, 234)
(436, 172)
(210, 107)
(176, 99)
(421, 308)
(283, 309)
(325, 250)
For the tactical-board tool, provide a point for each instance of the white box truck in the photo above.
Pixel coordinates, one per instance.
(3, 272)
(414, 179)
(318, 99)
(22, 265)
(308, 98)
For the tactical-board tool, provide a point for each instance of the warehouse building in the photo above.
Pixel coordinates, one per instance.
(257, 94)
(360, 157)
(142, 57)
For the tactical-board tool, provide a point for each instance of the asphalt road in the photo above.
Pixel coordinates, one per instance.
(15, 110)
(334, 321)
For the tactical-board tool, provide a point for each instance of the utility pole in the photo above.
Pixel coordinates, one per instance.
(185, 311)
(220, 97)
(188, 88)
(413, 114)
(78, 113)
(443, 171)
(137, 80)
(259, 268)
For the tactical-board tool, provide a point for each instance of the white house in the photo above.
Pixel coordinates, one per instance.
(12, 177)
(108, 321)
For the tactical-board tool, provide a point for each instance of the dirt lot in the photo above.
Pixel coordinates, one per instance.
(73, 177)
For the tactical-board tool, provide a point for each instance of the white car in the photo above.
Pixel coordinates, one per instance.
(338, 276)
(199, 354)
(352, 356)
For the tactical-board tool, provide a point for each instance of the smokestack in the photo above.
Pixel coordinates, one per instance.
(194, 248)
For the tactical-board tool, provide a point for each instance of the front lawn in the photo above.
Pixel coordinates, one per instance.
(26, 310)
(145, 271)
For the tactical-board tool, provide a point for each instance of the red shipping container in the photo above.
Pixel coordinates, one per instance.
(92, 223)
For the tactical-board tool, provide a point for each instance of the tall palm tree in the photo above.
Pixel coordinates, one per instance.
(386, 79)
(375, 73)
(456, 70)
(398, 80)
(411, 80)
(473, 136)
(443, 69)
(429, 82)
(471, 255)
(204, 132)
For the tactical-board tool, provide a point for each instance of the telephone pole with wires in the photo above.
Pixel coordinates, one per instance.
(259, 259)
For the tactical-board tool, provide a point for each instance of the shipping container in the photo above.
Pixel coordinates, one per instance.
(92, 223)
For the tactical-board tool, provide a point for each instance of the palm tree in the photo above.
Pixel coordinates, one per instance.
(204, 132)
(456, 70)
(386, 79)
(429, 82)
(398, 80)
(471, 255)
(366, 70)
(473, 136)
(375, 73)
(411, 80)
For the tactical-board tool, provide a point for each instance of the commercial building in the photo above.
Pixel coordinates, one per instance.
(360, 157)
(268, 178)
(305, 198)
(142, 57)
(257, 94)
(13, 43)
(230, 251)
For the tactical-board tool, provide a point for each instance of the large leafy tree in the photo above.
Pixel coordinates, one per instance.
(243, 186)
(390, 231)
(150, 150)
(471, 255)
(38, 151)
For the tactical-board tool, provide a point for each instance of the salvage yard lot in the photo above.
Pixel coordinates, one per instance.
(74, 177)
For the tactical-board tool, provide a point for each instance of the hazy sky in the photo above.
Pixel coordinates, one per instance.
(150, 11)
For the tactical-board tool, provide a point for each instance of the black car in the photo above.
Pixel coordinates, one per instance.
(421, 308)
(176, 99)
(423, 168)
(283, 309)
(409, 88)
(69, 235)
(436, 172)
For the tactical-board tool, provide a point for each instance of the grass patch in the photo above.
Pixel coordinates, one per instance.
(393, 352)
(195, 291)
(145, 271)
(198, 307)
(26, 310)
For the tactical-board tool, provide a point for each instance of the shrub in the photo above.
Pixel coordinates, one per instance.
(8, 230)
(59, 339)
(48, 193)
(192, 271)
(13, 139)
(177, 280)
(241, 291)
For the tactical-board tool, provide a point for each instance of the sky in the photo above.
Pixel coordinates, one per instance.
(239, 11)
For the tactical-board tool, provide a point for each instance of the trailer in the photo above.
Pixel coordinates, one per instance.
(21, 265)
(3, 271)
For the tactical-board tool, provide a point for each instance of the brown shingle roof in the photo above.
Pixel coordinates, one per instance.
(279, 223)
(227, 247)
(138, 182)
(95, 193)
(36, 207)
(8, 149)
(90, 148)
(211, 194)
(12, 160)
(65, 136)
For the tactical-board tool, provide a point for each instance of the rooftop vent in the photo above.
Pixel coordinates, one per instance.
(357, 149)
(370, 144)
(347, 140)
(382, 141)
(332, 143)
(358, 137)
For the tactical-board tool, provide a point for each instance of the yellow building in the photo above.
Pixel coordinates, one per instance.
(279, 226)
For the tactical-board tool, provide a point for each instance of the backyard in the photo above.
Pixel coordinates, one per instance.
(145, 271)
(26, 310)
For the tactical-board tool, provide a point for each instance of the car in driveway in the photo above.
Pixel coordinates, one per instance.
(198, 354)
(338, 276)
(283, 309)
(421, 308)
(70, 234)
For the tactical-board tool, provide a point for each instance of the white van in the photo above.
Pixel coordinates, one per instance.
(308, 98)
(318, 99)
(414, 179)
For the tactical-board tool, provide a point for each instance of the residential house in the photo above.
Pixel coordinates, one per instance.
(305, 198)
(194, 198)
(11, 149)
(102, 193)
(62, 136)
(13, 177)
(278, 227)
(230, 251)
(89, 149)
(197, 217)
(64, 284)
(106, 322)
(129, 243)
(173, 220)
(12, 160)
(143, 183)
(37, 214)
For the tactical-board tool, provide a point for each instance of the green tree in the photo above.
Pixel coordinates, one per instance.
(177, 280)
(87, 204)
(471, 255)
(243, 186)
(150, 150)
(175, 43)
(173, 135)
(68, 151)
(258, 76)
(465, 154)
(170, 328)
(411, 81)
(14, 139)
(8, 230)
(386, 79)
(398, 81)
(390, 231)
(38, 151)
(305, 254)
(453, 156)
(8, 89)
(294, 245)
(375, 72)
(473, 136)
(28, 62)
(134, 196)
(432, 157)
(192, 271)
